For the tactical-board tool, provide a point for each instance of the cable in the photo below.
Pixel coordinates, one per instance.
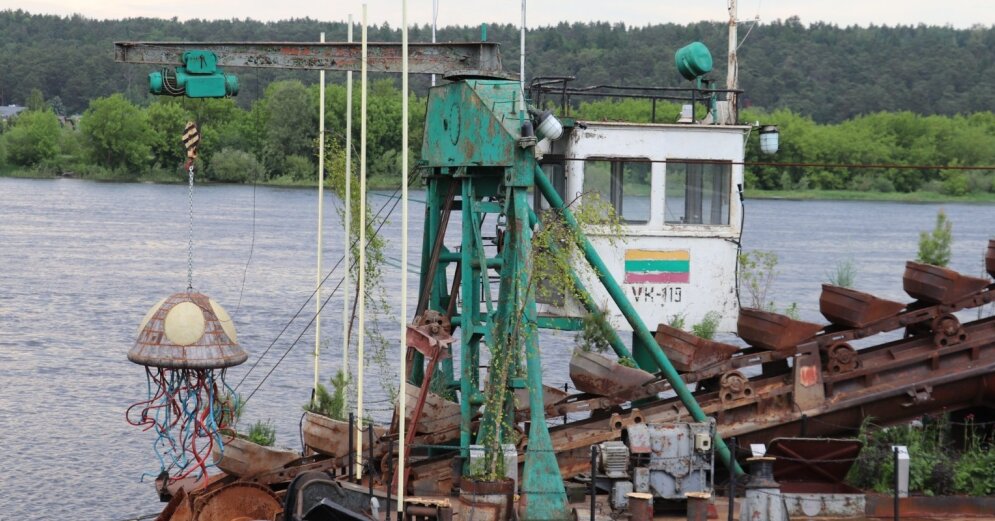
(879, 166)
(252, 244)
(334, 290)
(304, 304)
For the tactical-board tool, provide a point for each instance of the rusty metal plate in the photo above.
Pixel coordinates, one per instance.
(938, 285)
(990, 258)
(851, 308)
(773, 331)
(814, 465)
(689, 353)
(941, 507)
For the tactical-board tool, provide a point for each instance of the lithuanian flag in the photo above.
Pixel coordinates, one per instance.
(657, 267)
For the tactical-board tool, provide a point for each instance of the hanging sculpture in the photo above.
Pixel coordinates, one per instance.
(186, 342)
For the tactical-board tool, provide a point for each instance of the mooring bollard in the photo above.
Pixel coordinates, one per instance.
(698, 505)
(641, 506)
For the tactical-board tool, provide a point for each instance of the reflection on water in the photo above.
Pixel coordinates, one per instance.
(81, 262)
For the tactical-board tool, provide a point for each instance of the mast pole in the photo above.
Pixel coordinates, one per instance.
(361, 327)
(321, 220)
(347, 245)
(732, 74)
(402, 433)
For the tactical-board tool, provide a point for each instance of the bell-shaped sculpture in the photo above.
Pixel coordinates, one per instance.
(187, 331)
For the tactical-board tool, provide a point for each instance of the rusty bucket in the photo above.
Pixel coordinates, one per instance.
(689, 353)
(851, 308)
(488, 500)
(773, 331)
(241, 457)
(602, 376)
(990, 258)
(938, 285)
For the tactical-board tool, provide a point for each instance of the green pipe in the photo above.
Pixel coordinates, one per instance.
(585, 298)
(630, 314)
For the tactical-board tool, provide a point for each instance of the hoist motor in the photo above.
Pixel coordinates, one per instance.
(198, 77)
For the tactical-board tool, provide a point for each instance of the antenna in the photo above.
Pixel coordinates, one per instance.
(732, 74)
(521, 65)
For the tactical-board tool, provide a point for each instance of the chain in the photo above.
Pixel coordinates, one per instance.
(190, 234)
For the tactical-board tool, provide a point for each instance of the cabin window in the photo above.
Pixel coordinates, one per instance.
(697, 192)
(624, 184)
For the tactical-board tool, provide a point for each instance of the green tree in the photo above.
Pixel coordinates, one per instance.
(235, 166)
(934, 246)
(290, 124)
(167, 121)
(36, 101)
(116, 133)
(34, 138)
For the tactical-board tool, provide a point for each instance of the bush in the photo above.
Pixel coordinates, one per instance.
(331, 405)
(708, 326)
(956, 185)
(882, 184)
(33, 139)
(234, 166)
(262, 433)
(844, 274)
(934, 246)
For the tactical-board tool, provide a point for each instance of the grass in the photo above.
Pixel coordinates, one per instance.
(852, 195)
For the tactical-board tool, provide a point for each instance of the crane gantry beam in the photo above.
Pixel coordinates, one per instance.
(452, 60)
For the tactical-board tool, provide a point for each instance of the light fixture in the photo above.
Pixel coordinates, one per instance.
(769, 139)
(549, 127)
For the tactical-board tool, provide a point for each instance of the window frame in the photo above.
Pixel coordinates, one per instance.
(726, 202)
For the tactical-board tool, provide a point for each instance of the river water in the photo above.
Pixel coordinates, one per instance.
(81, 262)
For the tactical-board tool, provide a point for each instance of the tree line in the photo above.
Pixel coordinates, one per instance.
(822, 71)
(275, 140)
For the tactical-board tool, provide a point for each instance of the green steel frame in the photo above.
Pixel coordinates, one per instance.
(479, 167)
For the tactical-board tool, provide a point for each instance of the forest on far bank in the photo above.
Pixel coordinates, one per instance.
(274, 141)
(841, 96)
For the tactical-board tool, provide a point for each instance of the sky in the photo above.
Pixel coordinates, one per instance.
(957, 13)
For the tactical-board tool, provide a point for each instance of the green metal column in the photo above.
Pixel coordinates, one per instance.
(467, 323)
(639, 328)
(542, 486)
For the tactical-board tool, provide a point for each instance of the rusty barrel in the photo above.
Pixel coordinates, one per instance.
(487, 500)
(938, 285)
(640, 506)
(773, 331)
(990, 258)
(852, 308)
(689, 353)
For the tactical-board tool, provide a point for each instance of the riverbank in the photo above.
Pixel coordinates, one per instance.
(852, 195)
(387, 183)
(166, 177)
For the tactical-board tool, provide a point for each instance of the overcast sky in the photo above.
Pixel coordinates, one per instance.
(958, 13)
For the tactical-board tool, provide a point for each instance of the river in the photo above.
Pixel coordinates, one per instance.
(81, 262)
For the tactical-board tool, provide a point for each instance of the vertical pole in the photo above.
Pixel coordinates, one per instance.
(402, 433)
(897, 485)
(435, 19)
(521, 65)
(732, 73)
(321, 221)
(732, 479)
(361, 287)
(352, 444)
(369, 456)
(387, 478)
(347, 236)
(594, 472)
